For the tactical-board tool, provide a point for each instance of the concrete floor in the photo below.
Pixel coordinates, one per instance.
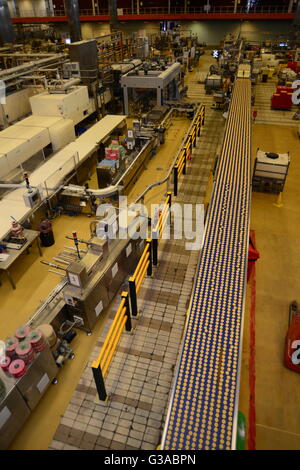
(277, 388)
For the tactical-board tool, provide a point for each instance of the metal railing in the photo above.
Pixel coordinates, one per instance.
(101, 365)
(157, 232)
(122, 320)
(135, 281)
(190, 142)
(163, 11)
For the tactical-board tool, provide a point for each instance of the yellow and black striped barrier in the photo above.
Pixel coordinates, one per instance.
(101, 365)
(158, 230)
(135, 281)
(189, 144)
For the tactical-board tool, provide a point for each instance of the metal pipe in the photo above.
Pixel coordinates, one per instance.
(52, 265)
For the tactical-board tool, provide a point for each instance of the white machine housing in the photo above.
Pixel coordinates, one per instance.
(266, 167)
(73, 105)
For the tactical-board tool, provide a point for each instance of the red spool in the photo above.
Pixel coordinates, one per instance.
(17, 368)
(11, 345)
(37, 340)
(5, 363)
(25, 352)
(22, 332)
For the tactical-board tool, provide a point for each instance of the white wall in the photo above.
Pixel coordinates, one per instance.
(212, 32)
(10, 7)
(209, 31)
(32, 7)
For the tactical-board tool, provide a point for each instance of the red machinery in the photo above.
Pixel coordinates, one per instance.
(293, 66)
(253, 255)
(292, 342)
(282, 99)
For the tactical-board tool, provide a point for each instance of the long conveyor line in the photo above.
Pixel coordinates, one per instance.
(204, 401)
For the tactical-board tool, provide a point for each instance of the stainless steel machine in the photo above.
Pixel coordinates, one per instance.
(92, 277)
(22, 395)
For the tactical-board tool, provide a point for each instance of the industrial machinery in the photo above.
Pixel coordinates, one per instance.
(270, 171)
(23, 390)
(213, 83)
(93, 276)
(151, 84)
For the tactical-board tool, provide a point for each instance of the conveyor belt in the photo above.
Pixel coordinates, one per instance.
(203, 409)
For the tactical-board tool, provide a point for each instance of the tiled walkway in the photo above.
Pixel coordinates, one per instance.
(140, 377)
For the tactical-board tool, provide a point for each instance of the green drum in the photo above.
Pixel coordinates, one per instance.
(241, 432)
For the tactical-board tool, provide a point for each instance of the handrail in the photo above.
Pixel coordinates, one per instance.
(158, 230)
(161, 10)
(101, 365)
(135, 281)
(190, 141)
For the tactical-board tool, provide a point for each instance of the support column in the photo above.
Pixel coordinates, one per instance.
(235, 6)
(72, 11)
(49, 7)
(93, 6)
(290, 6)
(7, 34)
(296, 21)
(159, 96)
(113, 15)
(125, 97)
(15, 8)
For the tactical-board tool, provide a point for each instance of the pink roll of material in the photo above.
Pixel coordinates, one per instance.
(11, 345)
(5, 363)
(37, 340)
(25, 352)
(17, 368)
(22, 332)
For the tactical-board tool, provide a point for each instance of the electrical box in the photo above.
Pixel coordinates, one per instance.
(32, 199)
(77, 274)
(71, 70)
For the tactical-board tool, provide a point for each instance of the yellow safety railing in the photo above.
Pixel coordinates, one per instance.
(101, 365)
(158, 230)
(135, 281)
(195, 131)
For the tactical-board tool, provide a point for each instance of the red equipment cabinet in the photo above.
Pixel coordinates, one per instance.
(294, 66)
(282, 99)
(292, 342)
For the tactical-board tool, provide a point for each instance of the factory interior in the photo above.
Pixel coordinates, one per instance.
(149, 225)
